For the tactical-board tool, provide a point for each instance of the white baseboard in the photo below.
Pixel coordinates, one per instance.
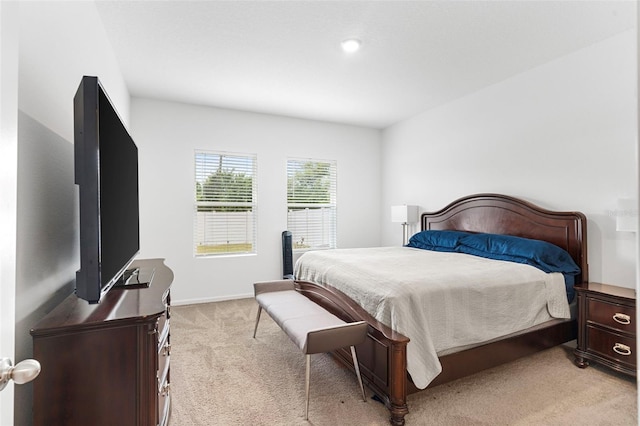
(208, 300)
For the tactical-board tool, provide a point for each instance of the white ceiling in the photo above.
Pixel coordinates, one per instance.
(284, 57)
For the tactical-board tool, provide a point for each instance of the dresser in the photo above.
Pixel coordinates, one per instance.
(606, 327)
(107, 363)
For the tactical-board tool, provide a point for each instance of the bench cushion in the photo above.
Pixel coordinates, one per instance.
(296, 314)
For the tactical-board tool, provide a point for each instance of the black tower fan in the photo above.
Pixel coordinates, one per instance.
(287, 256)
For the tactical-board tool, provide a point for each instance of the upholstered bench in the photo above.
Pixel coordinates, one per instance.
(312, 328)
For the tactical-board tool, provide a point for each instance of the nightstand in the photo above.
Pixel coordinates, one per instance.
(606, 327)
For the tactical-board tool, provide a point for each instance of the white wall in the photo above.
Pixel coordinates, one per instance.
(562, 135)
(167, 134)
(59, 42)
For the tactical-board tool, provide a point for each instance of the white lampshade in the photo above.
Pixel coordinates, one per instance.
(627, 215)
(404, 214)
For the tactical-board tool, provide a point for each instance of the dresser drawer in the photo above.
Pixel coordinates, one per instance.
(612, 346)
(164, 404)
(164, 355)
(162, 327)
(612, 315)
(164, 363)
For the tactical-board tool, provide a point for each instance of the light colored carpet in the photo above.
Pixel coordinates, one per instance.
(220, 375)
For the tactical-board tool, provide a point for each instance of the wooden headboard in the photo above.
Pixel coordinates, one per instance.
(502, 214)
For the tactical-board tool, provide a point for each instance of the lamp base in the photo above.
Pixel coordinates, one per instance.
(405, 233)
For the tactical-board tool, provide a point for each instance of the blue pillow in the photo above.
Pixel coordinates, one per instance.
(547, 256)
(437, 240)
(540, 254)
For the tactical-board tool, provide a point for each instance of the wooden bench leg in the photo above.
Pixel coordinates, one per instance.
(257, 321)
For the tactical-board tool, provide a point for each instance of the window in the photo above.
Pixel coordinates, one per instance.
(225, 203)
(311, 203)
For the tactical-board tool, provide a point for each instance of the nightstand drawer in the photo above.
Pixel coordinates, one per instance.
(611, 315)
(612, 345)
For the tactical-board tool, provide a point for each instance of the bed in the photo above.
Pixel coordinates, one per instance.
(383, 356)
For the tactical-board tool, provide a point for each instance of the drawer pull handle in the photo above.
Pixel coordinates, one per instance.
(622, 349)
(165, 389)
(166, 349)
(622, 318)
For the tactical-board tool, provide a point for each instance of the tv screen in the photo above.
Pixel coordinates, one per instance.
(106, 171)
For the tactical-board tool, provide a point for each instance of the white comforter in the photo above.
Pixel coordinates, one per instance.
(441, 301)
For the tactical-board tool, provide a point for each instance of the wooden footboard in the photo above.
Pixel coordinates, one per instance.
(382, 356)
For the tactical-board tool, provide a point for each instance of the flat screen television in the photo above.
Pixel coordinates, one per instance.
(106, 172)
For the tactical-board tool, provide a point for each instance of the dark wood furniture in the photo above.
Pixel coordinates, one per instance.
(382, 357)
(606, 327)
(106, 363)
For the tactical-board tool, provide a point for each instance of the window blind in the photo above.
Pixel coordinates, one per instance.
(225, 203)
(311, 203)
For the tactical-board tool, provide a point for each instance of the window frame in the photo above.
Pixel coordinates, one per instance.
(202, 172)
(329, 208)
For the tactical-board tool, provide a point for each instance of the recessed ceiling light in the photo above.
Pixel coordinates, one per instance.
(351, 45)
